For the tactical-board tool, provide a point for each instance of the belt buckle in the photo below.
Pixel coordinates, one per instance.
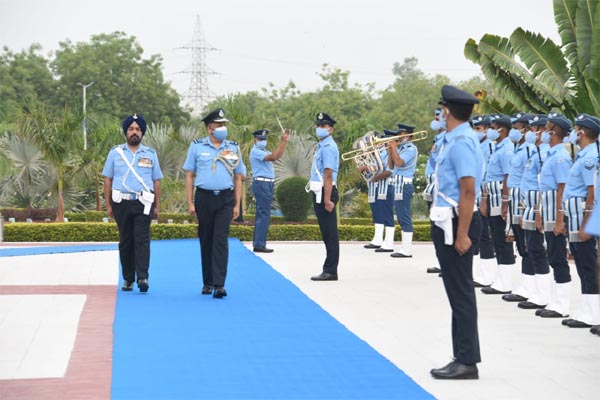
(216, 192)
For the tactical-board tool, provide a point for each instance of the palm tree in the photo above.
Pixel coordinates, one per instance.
(532, 73)
(58, 139)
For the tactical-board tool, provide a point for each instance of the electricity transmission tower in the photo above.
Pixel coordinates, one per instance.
(198, 92)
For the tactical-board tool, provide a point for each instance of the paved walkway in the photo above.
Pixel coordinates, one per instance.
(56, 316)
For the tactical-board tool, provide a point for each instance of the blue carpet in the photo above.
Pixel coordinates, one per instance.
(266, 340)
(30, 251)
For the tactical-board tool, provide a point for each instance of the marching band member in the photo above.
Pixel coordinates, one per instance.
(539, 292)
(578, 204)
(496, 194)
(404, 160)
(522, 153)
(381, 201)
(484, 270)
(554, 176)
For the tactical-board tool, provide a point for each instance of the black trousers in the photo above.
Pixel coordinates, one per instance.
(585, 256)
(134, 238)
(457, 275)
(527, 267)
(329, 232)
(485, 248)
(557, 257)
(534, 241)
(214, 213)
(505, 253)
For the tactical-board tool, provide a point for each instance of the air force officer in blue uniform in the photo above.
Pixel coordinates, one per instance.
(457, 228)
(263, 183)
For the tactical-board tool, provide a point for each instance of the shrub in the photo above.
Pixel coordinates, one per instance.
(293, 199)
(108, 232)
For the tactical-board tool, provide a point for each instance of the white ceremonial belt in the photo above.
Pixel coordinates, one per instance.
(260, 178)
(129, 196)
(407, 180)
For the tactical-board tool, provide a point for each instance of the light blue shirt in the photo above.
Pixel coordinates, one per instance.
(211, 174)
(499, 162)
(556, 168)
(517, 164)
(144, 162)
(592, 226)
(261, 167)
(487, 149)
(435, 151)
(327, 155)
(409, 154)
(581, 174)
(533, 167)
(461, 157)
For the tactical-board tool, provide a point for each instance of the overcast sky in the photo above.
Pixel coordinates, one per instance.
(264, 41)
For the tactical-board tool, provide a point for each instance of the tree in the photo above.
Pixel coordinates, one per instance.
(532, 73)
(56, 135)
(25, 77)
(124, 81)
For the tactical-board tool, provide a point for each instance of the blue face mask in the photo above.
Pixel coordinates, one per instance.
(572, 137)
(322, 132)
(435, 125)
(493, 134)
(480, 135)
(261, 144)
(220, 133)
(546, 137)
(443, 120)
(515, 135)
(531, 137)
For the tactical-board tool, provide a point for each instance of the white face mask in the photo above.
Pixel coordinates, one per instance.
(443, 117)
(436, 125)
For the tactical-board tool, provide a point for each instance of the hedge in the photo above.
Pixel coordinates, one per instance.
(107, 232)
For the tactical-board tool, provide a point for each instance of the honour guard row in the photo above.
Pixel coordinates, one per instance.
(538, 192)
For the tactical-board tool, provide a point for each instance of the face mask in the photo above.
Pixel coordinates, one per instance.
(572, 138)
(322, 132)
(261, 144)
(220, 133)
(480, 135)
(531, 137)
(436, 125)
(515, 135)
(493, 134)
(443, 117)
(546, 137)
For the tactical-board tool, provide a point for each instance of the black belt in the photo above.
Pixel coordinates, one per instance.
(214, 192)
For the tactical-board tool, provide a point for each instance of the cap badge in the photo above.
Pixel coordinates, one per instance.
(135, 116)
(221, 113)
(320, 116)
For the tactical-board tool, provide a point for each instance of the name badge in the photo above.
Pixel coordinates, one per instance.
(229, 154)
(145, 162)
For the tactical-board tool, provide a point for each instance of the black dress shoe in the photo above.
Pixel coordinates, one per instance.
(127, 286)
(207, 289)
(371, 246)
(549, 314)
(434, 270)
(513, 297)
(491, 290)
(143, 285)
(477, 284)
(577, 324)
(325, 276)
(219, 293)
(456, 370)
(595, 330)
(262, 250)
(382, 250)
(567, 321)
(527, 305)
(400, 255)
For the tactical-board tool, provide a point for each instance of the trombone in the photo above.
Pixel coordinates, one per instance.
(373, 144)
